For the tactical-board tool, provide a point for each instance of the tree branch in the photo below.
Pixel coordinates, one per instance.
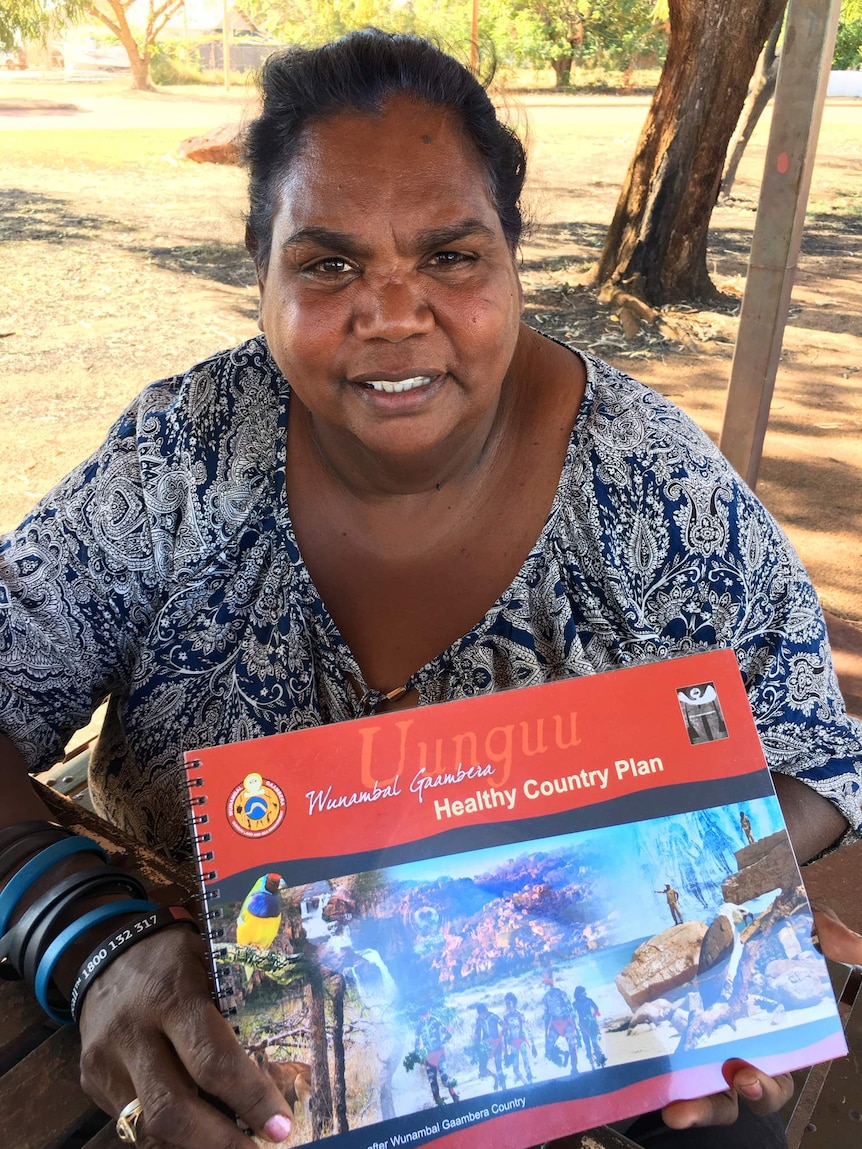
(105, 19)
(282, 968)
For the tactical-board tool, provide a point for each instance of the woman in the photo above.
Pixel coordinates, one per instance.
(442, 464)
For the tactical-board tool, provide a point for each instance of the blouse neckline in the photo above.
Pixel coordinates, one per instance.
(330, 639)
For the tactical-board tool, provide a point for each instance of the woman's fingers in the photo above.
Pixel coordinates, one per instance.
(174, 1114)
(761, 1093)
(717, 1109)
(150, 1029)
(837, 941)
(207, 1047)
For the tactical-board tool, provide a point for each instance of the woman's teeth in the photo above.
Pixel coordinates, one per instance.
(392, 386)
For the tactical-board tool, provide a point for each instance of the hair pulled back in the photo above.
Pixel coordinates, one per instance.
(360, 72)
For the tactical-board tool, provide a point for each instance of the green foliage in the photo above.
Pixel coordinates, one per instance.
(166, 68)
(22, 20)
(176, 61)
(848, 45)
(592, 33)
(413, 1059)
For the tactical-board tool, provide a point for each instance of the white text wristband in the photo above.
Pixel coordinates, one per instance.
(123, 939)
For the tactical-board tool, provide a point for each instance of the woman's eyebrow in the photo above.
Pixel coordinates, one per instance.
(425, 240)
(326, 237)
(451, 233)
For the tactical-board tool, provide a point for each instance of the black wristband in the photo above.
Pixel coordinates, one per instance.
(123, 939)
(19, 851)
(23, 830)
(34, 928)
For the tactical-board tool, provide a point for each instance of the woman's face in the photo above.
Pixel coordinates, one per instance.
(391, 301)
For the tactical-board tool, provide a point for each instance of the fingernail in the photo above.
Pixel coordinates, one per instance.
(277, 1128)
(753, 1090)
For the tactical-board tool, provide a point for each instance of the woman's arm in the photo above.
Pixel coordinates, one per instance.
(149, 1027)
(813, 822)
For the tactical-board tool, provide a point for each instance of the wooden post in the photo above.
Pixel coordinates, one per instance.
(225, 43)
(474, 38)
(806, 59)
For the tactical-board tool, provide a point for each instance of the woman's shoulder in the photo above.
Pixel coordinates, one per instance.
(624, 418)
(191, 460)
(231, 391)
(637, 462)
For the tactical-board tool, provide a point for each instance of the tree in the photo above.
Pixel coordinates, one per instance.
(32, 19)
(114, 14)
(848, 44)
(568, 32)
(656, 246)
(762, 91)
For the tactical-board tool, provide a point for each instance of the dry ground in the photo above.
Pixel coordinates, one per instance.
(121, 263)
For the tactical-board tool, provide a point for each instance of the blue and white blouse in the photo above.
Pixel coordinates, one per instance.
(164, 572)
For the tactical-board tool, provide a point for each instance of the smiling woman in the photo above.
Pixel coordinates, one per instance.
(398, 494)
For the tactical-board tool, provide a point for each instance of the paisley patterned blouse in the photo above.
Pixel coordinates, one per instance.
(164, 572)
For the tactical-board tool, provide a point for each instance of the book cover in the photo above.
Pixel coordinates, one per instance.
(514, 916)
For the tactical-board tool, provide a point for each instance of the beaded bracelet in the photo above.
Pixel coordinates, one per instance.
(112, 947)
(11, 856)
(52, 955)
(25, 943)
(18, 885)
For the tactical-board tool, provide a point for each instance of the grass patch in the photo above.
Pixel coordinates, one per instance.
(82, 148)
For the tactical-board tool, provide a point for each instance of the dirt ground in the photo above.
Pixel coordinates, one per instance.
(116, 273)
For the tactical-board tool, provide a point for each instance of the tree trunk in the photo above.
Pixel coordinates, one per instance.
(139, 62)
(657, 242)
(762, 91)
(563, 71)
(387, 1101)
(336, 993)
(321, 1091)
(140, 66)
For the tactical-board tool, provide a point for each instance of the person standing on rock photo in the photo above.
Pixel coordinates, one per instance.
(672, 896)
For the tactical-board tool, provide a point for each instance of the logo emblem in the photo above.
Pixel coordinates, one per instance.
(256, 807)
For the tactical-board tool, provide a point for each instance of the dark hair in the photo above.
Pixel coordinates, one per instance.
(359, 72)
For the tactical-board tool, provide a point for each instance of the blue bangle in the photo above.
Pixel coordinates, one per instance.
(70, 935)
(18, 885)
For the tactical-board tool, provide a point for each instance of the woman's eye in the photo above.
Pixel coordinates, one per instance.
(331, 265)
(450, 258)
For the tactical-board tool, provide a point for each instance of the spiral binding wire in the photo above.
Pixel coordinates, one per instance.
(208, 897)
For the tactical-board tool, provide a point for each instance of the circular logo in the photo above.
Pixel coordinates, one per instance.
(256, 807)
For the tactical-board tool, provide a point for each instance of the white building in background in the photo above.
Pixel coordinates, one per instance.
(845, 84)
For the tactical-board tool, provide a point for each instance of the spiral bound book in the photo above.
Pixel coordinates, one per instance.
(508, 918)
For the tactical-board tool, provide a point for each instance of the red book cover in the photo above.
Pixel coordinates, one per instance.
(511, 917)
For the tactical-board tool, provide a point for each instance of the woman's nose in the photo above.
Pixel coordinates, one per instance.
(392, 309)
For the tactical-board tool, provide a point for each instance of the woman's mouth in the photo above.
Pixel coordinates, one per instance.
(391, 386)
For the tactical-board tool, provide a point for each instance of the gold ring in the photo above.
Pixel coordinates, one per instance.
(127, 1121)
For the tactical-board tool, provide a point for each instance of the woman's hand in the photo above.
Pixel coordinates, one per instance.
(837, 941)
(149, 1029)
(760, 1092)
